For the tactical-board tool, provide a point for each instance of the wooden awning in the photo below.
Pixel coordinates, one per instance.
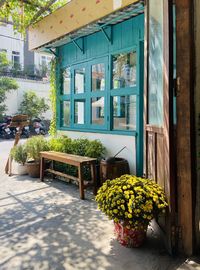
(79, 16)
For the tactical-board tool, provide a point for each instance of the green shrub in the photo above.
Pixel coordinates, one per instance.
(61, 144)
(95, 149)
(81, 147)
(19, 153)
(34, 146)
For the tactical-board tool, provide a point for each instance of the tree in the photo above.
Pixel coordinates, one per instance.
(32, 105)
(22, 13)
(6, 84)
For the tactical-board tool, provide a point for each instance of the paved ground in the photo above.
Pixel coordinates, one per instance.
(46, 226)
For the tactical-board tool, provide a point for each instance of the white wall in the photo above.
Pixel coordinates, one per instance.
(11, 42)
(113, 144)
(14, 98)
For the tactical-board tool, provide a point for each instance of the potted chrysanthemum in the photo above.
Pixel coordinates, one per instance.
(131, 202)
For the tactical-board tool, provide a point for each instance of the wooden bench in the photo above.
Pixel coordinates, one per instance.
(74, 160)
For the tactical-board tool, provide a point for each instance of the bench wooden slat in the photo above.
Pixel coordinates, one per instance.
(62, 174)
(74, 160)
(67, 158)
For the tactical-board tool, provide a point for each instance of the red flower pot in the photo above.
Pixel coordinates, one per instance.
(129, 237)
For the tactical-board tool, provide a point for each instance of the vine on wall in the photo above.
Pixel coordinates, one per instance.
(52, 128)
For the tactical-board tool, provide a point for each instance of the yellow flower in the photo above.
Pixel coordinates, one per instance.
(122, 207)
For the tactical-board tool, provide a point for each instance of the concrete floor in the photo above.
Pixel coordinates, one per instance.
(46, 226)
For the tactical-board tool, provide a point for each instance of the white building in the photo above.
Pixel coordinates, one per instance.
(29, 68)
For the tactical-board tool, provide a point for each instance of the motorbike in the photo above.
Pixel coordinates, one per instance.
(25, 133)
(5, 132)
(39, 127)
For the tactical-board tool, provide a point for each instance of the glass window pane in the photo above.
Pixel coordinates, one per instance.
(79, 112)
(79, 80)
(65, 113)
(155, 103)
(124, 112)
(98, 111)
(124, 70)
(98, 77)
(66, 81)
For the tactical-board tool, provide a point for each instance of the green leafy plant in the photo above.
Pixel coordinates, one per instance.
(52, 129)
(32, 105)
(131, 200)
(23, 13)
(81, 147)
(6, 84)
(95, 149)
(19, 153)
(61, 144)
(34, 146)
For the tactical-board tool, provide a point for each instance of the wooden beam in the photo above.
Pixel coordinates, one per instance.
(71, 17)
(185, 154)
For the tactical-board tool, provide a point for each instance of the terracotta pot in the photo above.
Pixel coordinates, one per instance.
(33, 169)
(129, 237)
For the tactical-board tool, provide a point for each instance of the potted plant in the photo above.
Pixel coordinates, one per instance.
(131, 202)
(34, 146)
(19, 154)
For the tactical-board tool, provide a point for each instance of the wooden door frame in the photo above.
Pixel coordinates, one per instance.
(167, 129)
(185, 121)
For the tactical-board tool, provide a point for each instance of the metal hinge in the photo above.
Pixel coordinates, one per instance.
(176, 86)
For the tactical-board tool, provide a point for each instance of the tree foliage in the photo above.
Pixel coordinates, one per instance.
(6, 84)
(32, 105)
(25, 12)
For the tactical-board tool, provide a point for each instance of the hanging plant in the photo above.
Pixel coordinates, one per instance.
(52, 129)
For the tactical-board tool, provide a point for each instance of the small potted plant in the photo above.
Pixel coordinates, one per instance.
(34, 146)
(131, 202)
(19, 154)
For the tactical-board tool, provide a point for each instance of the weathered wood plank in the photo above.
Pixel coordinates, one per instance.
(184, 96)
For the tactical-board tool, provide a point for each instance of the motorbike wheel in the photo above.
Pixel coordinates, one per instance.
(42, 132)
(25, 135)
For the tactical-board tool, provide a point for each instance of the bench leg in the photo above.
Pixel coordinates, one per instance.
(41, 168)
(94, 178)
(81, 182)
(52, 167)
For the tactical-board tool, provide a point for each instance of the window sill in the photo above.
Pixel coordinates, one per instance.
(112, 132)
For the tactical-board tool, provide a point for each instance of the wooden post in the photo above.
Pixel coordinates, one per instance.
(81, 181)
(8, 168)
(41, 168)
(94, 180)
(184, 121)
(18, 121)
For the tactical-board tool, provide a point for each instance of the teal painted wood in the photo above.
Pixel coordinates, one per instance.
(140, 105)
(124, 35)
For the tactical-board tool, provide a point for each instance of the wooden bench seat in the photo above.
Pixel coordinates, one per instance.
(74, 160)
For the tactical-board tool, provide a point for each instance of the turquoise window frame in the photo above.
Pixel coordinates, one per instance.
(125, 91)
(97, 94)
(109, 94)
(75, 97)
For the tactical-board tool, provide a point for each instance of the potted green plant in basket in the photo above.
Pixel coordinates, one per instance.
(19, 154)
(34, 146)
(131, 202)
